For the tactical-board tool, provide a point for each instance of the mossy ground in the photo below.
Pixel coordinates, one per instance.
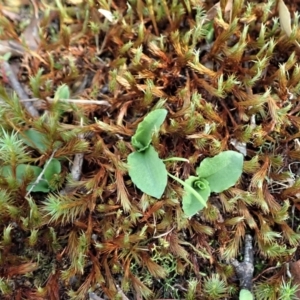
(229, 78)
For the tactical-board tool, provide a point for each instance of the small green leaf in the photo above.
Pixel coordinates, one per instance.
(190, 190)
(151, 123)
(21, 171)
(54, 167)
(6, 171)
(24, 169)
(245, 295)
(6, 56)
(35, 139)
(42, 186)
(62, 92)
(148, 172)
(221, 171)
(190, 204)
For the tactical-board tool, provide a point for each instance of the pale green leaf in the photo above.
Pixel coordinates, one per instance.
(24, 169)
(54, 167)
(35, 139)
(191, 204)
(41, 186)
(221, 171)
(151, 123)
(245, 295)
(148, 172)
(62, 92)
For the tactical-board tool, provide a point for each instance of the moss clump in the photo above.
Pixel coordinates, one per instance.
(229, 79)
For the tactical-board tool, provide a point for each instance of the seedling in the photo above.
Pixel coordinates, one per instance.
(149, 174)
(146, 169)
(215, 174)
(42, 185)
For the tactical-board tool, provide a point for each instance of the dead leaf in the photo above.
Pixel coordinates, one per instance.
(285, 18)
(31, 34)
(240, 146)
(107, 14)
(10, 14)
(16, 3)
(213, 11)
(13, 47)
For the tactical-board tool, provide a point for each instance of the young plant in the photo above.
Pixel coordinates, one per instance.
(15, 162)
(215, 174)
(41, 177)
(149, 174)
(146, 169)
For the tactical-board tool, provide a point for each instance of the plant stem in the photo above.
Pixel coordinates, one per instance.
(189, 189)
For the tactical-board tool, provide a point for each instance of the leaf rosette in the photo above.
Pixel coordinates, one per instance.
(200, 184)
(191, 204)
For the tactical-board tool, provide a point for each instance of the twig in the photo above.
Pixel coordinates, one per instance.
(77, 163)
(41, 174)
(121, 293)
(265, 271)
(75, 101)
(15, 84)
(245, 269)
(76, 167)
(93, 296)
(82, 101)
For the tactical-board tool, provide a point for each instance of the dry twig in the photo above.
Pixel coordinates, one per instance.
(245, 269)
(15, 84)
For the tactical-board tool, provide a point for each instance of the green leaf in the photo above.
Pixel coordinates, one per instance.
(190, 204)
(148, 172)
(21, 171)
(42, 186)
(54, 167)
(221, 171)
(6, 56)
(151, 123)
(6, 171)
(24, 169)
(63, 92)
(245, 295)
(35, 139)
